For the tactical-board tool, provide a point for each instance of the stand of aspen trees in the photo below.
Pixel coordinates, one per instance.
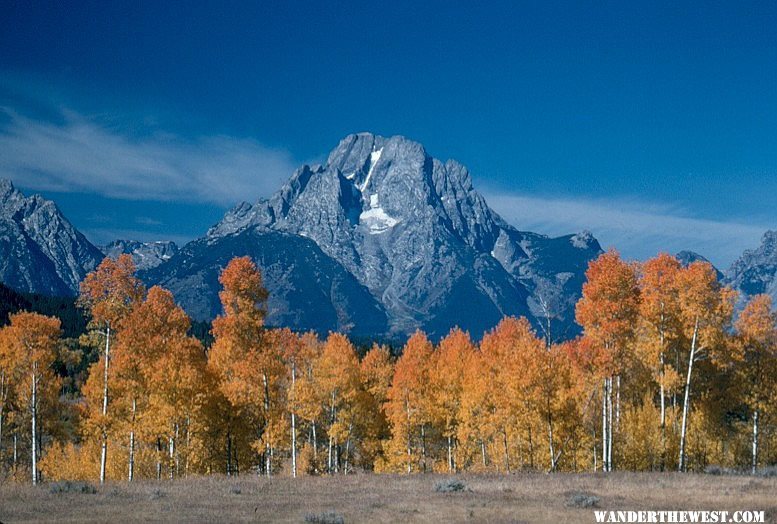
(662, 378)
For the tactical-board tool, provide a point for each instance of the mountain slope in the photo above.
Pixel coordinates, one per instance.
(414, 233)
(308, 290)
(40, 251)
(686, 258)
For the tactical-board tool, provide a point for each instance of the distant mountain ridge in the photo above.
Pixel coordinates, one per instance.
(380, 240)
(146, 255)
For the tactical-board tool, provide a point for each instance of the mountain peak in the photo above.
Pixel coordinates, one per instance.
(49, 255)
(416, 234)
(6, 186)
(769, 241)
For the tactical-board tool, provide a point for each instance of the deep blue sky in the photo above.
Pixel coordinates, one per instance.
(652, 124)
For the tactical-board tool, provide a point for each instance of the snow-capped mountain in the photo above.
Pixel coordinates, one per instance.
(389, 231)
(40, 251)
(755, 272)
(146, 255)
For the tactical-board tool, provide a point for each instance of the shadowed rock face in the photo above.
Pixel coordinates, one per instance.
(419, 243)
(40, 251)
(686, 258)
(755, 272)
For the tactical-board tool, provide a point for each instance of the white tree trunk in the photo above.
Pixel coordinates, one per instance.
(34, 407)
(171, 455)
(131, 473)
(609, 424)
(755, 441)
(104, 447)
(604, 425)
(550, 440)
(293, 422)
(686, 401)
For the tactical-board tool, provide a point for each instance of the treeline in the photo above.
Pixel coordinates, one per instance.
(661, 379)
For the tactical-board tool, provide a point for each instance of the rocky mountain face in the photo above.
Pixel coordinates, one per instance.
(392, 237)
(686, 258)
(146, 255)
(40, 251)
(755, 272)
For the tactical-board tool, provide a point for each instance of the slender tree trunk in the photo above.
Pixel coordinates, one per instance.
(171, 453)
(268, 451)
(531, 450)
(104, 447)
(329, 456)
(483, 452)
(507, 449)
(593, 439)
(177, 452)
(686, 401)
(450, 455)
(268, 460)
(315, 441)
(34, 407)
(604, 426)
(617, 403)
(755, 441)
(131, 473)
(663, 406)
(15, 452)
(229, 454)
(550, 442)
(293, 423)
(609, 425)
(423, 446)
(188, 445)
(347, 448)
(409, 441)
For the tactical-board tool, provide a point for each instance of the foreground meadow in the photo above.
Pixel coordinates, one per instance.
(389, 498)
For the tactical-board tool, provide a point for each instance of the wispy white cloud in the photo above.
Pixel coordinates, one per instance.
(81, 154)
(638, 229)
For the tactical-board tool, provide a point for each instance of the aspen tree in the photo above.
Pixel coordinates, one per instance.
(376, 371)
(608, 312)
(239, 356)
(36, 337)
(757, 329)
(337, 376)
(446, 384)
(659, 327)
(408, 406)
(108, 294)
(705, 313)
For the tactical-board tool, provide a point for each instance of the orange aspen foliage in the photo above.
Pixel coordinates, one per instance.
(447, 371)
(108, 294)
(36, 338)
(409, 406)
(338, 380)
(757, 329)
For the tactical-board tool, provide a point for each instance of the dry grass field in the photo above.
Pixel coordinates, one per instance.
(387, 498)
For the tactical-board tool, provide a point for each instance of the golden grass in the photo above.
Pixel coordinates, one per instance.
(387, 498)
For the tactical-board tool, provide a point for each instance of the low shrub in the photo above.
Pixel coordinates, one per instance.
(327, 517)
(449, 486)
(68, 486)
(583, 500)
